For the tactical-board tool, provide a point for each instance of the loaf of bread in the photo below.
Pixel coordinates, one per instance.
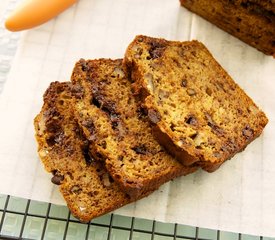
(118, 130)
(84, 182)
(252, 21)
(199, 114)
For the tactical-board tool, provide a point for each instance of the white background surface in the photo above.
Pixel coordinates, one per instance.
(239, 197)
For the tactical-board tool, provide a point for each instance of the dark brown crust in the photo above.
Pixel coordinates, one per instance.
(253, 22)
(188, 154)
(99, 87)
(113, 205)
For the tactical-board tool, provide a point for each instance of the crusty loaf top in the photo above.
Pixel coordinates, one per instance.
(191, 100)
(257, 6)
(117, 128)
(84, 183)
(252, 21)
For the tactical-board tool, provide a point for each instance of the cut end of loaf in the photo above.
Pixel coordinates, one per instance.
(192, 100)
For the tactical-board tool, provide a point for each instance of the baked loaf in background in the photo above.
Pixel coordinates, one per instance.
(200, 115)
(118, 130)
(84, 183)
(252, 21)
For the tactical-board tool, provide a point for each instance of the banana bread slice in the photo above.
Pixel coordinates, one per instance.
(252, 21)
(118, 130)
(84, 183)
(199, 113)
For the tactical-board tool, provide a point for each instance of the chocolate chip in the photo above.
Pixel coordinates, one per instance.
(172, 127)
(52, 120)
(120, 157)
(99, 156)
(239, 111)
(114, 124)
(184, 83)
(50, 141)
(216, 129)
(154, 116)
(87, 156)
(114, 117)
(245, 4)
(191, 120)
(156, 53)
(83, 64)
(97, 97)
(156, 50)
(76, 189)
(96, 102)
(57, 178)
(107, 106)
(141, 149)
(248, 132)
(53, 126)
(88, 123)
(77, 91)
(111, 179)
(57, 138)
(193, 136)
(141, 112)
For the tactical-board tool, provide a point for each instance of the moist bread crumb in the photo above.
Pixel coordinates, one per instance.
(118, 129)
(199, 114)
(84, 182)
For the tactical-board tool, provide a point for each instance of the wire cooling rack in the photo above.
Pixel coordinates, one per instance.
(28, 219)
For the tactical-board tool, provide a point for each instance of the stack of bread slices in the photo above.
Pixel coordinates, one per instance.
(121, 128)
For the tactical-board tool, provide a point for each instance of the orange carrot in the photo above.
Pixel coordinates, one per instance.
(32, 13)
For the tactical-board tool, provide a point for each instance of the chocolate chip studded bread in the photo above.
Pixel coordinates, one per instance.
(252, 21)
(118, 130)
(84, 183)
(199, 113)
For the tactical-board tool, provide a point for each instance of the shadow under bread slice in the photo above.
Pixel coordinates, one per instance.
(84, 183)
(199, 113)
(118, 129)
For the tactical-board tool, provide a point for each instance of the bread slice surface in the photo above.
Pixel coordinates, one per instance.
(85, 184)
(199, 113)
(118, 129)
